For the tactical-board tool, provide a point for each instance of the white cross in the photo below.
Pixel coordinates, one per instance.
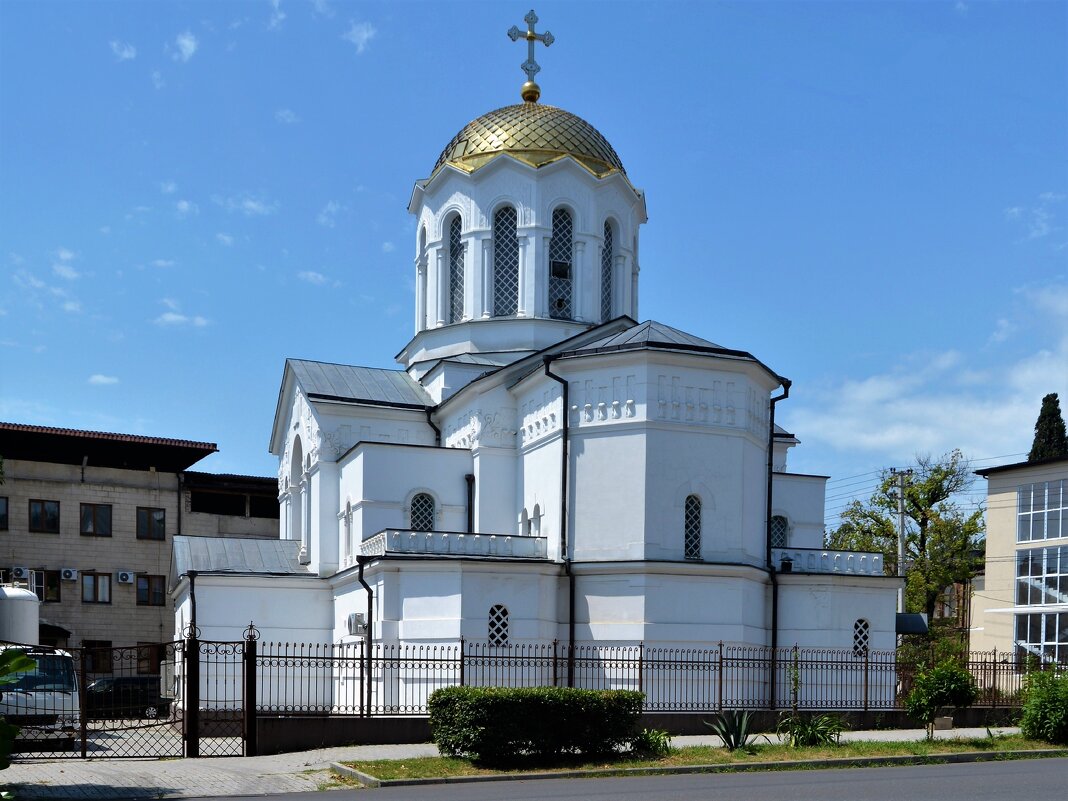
(530, 66)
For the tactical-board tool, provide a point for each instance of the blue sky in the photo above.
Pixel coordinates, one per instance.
(870, 197)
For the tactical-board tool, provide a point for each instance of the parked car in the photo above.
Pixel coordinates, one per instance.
(126, 697)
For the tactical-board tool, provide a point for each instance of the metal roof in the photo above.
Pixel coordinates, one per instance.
(103, 449)
(237, 555)
(649, 333)
(987, 471)
(346, 383)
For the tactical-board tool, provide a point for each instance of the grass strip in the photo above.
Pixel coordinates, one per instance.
(766, 755)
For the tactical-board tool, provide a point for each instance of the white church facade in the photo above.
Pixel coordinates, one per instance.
(542, 466)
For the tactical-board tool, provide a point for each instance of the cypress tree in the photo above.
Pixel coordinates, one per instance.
(1051, 441)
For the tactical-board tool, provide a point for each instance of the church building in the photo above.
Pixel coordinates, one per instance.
(542, 466)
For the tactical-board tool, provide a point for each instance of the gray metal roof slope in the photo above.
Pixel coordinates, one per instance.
(342, 382)
(649, 333)
(246, 555)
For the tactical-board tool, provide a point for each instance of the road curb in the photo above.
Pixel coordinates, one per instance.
(851, 762)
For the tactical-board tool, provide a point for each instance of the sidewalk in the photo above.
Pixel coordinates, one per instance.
(282, 773)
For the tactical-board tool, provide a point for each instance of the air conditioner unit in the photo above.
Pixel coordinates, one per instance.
(126, 577)
(20, 573)
(68, 574)
(357, 623)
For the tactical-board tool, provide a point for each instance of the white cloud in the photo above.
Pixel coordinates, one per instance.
(101, 380)
(328, 216)
(1039, 219)
(72, 306)
(360, 34)
(124, 51)
(168, 187)
(388, 247)
(1002, 331)
(224, 239)
(186, 208)
(157, 79)
(64, 270)
(105, 229)
(312, 277)
(65, 255)
(286, 116)
(176, 318)
(961, 7)
(163, 263)
(322, 8)
(277, 15)
(247, 204)
(187, 45)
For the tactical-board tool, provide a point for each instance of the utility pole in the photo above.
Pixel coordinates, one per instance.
(901, 476)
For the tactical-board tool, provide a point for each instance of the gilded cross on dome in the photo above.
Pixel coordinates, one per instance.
(530, 91)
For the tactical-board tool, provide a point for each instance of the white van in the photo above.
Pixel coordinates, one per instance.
(43, 701)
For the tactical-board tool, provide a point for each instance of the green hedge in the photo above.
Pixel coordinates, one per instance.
(496, 724)
(1045, 711)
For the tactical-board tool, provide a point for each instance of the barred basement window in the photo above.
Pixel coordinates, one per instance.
(606, 275)
(692, 525)
(560, 249)
(456, 272)
(422, 512)
(861, 635)
(780, 532)
(505, 262)
(498, 626)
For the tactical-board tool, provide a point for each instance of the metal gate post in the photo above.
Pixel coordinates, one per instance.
(249, 657)
(83, 684)
(191, 663)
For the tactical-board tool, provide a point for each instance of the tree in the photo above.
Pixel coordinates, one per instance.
(943, 543)
(1051, 441)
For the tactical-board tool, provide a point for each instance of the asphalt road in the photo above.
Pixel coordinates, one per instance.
(996, 781)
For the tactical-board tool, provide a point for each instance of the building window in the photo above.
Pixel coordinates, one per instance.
(1042, 635)
(97, 656)
(1042, 576)
(151, 523)
(44, 516)
(560, 255)
(692, 525)
(151, 591)
(780, 532)
(46, 584)
(3, 514)
(505, 262)
(149, 657)
(96, 588)
(1042, 511)
(456, 272)
(498, 626)
(96, 520)
(422, 512)
(861, 637)
(606, 274)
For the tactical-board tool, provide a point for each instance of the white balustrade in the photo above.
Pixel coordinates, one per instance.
(445, 543)
(816, 560)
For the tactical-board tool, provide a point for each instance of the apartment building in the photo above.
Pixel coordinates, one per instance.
(87, 521)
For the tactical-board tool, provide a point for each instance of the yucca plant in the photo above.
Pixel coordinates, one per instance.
(734, 728)
(812, 730)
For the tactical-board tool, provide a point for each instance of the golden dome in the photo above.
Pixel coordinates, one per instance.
(533, 133)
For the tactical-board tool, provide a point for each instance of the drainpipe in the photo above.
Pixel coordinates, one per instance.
(181, 488)
(564, 547)
(430, 422)
(368, 635)
(470, 479)
(772, 574)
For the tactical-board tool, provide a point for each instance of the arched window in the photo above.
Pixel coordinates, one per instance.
(861, 636)
(535, 520)
(505, 262)
(456, 272)
(692, 526)
(606, 274)
(560, 250)
(780, 532)
(498, 626)
(422, 512)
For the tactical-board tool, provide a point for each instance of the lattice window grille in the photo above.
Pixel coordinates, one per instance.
(560, 267)
(422, 512)
(692, 526)
(505, 263)
(498, 626)
(456, 272)
(861, 637)
(780, 532)
(606, 275)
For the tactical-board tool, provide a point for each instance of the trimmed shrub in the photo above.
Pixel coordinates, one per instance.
(499, 725)
(1045, 710)
(944, 688)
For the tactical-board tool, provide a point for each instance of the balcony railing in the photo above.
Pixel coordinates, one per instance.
(817, 560)
(453, 543)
